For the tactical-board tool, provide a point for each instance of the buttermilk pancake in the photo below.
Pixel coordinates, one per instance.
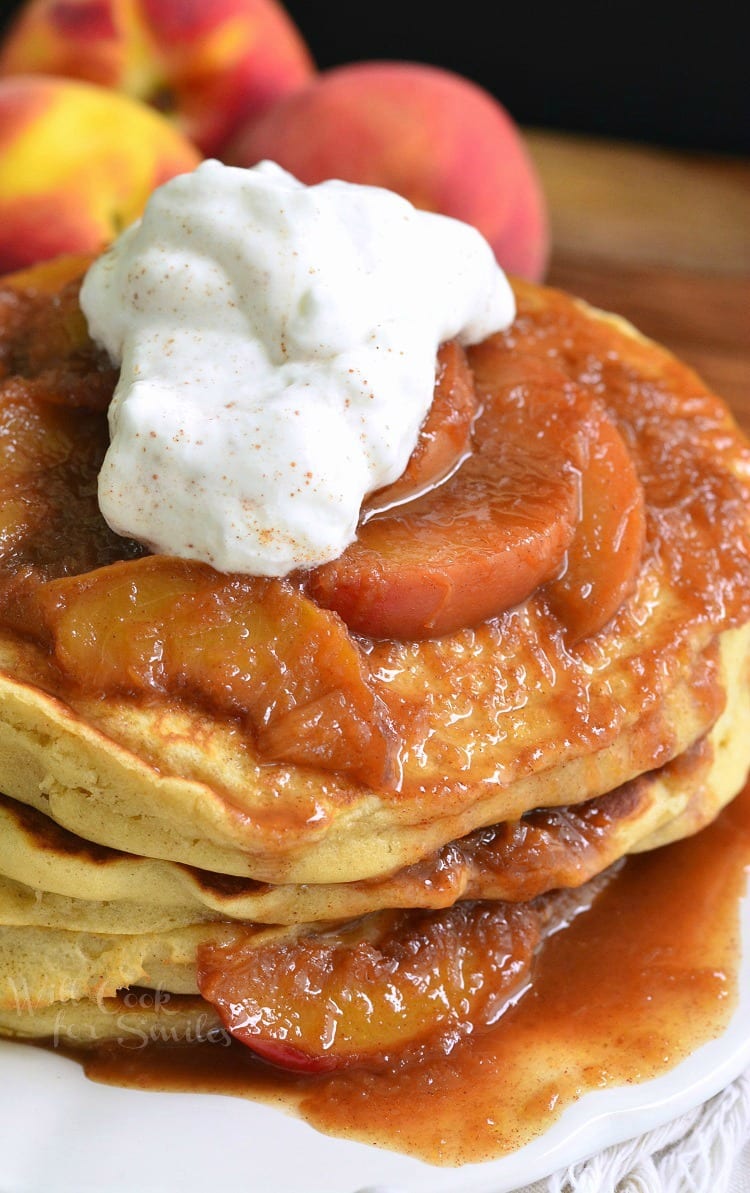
(51, 878)
(212, 780)
(83, 922)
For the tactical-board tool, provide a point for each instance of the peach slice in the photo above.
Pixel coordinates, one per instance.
(50, 456)
(604, 557)
(50, 522)
(485, 539)
(361, 996)
(46, 351)
(51, 442)
(445, 437)
(49, 277)
(252, 648)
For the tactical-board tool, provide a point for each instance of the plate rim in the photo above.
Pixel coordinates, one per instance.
(600, 1119)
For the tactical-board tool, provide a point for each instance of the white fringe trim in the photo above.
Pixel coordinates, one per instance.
(692, 1154)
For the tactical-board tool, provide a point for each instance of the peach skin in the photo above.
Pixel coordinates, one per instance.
(77, 164)
(431, 135)
(207, 66)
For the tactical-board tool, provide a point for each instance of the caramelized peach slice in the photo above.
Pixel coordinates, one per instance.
(355, 999)
(34, 437)
(485, 539)
(445, 437)
(50, 524)
(49, 277)
(45, 345)
(254, 648)
(605, 555)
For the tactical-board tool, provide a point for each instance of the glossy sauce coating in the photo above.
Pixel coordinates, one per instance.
(647, 974)
(484, 539)
(451, 726)
(621, 995)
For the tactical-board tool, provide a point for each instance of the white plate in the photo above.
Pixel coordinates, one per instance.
(61, 1133)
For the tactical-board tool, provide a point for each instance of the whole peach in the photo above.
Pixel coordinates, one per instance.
(431, 135)
(207, 65)
(77, 164)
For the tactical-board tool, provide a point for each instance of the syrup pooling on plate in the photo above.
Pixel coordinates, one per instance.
(237, 985)
(628, 990)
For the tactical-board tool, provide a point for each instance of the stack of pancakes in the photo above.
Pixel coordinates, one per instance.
(136, 831)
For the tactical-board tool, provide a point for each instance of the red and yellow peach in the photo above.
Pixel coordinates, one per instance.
(207, 66)
(433, 136)
(77, 164)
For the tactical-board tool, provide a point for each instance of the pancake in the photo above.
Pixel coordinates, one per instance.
(89, 782)
(68, 953)
(51, 878)
(158, 827)
(489, 722)
(130, 1020)
(47, 971)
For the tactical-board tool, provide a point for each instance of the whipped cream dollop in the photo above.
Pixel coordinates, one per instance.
(276, 345)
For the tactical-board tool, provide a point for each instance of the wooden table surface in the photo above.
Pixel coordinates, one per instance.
(658, 236)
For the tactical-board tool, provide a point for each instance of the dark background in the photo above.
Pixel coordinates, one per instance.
(666, 73)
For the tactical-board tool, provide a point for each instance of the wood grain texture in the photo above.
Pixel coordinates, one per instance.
(661, 238)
